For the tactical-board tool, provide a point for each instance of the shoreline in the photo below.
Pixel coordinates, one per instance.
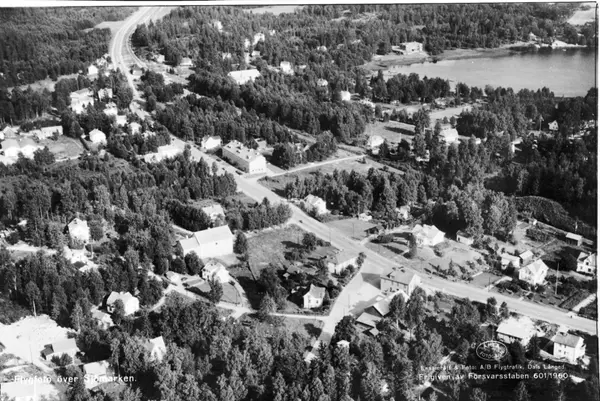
(388, 61)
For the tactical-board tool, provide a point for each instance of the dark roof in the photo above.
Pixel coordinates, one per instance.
(400, 276)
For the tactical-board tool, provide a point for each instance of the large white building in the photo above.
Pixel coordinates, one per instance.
(210, 243)
(312, 202)
(534, 273)
(244, 158)
(210, 143)
(12, 147)
(411, 47)
(399, 279)
(513, 329)
(98, 137)
(80, 99)
(586, 263)
(79, 231)
(313, 298)
(244, 76)
(568, 346)
(427, 235)
(130, 303)
(215, 271)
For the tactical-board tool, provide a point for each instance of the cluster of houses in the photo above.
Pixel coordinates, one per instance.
(565, 346)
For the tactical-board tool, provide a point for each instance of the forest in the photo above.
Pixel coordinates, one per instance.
(38, 43)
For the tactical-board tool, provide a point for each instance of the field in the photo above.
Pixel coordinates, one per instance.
(352, 228)
(448, 112)
(270, 246)
(580, 17)
(275, 10)
(484, 279)
(64, 148)
(310, 328)
(392, 131)
(47, 83)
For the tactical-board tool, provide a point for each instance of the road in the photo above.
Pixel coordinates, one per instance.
(364, 287)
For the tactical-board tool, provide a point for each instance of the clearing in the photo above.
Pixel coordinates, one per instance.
(275, 10)
(64, 148)
(392, 131)
(582, 16)
(351, 227)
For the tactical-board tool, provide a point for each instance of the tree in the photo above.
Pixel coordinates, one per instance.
(520, 393)
(216, 290)
(241, 243)
(32, 292)
(309, 241)
(96, 229)
(477, 394)
(267, 307)
(504, 313)
(397, 308)
(345, 329)
(193, 263)
(118, 313)
(77, 317)
(412, 247)
(534, 347)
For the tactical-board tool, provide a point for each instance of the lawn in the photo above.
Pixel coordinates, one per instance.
(484, 279)
(392, 131)
(352, 227)
(270, 246)
(64, 148)
(275, 10)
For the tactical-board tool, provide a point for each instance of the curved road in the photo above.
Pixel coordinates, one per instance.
(364, 287)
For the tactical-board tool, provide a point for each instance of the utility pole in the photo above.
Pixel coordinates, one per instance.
(556, 283)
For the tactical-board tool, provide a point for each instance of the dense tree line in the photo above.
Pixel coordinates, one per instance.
(406, 88)
(36, 43)
(241, 216)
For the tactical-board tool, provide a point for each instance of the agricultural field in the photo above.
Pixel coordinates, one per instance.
(392, 131)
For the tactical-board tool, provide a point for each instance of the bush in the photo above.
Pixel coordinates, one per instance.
(63, 360)
(385, 238)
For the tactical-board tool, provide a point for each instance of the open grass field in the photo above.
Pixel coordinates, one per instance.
(47, 83)
(64, 148)
(392, 131)
(580, 17)
(352, 228)
(484, 279)
(270, 247)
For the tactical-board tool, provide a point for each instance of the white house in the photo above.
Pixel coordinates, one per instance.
(218, 25)
(48, 132)
(553, 126)
(375, 141)
(105, 93)
(121, 120)
(427, 235)
(449, 135)
(341, 260)
(464, 238)
(400, 279)
(403, 212)
(568, 346)
(534, 273)
(81, 99)
(210, 143)
(210, 243)
(322, 82)
(103, 320)
(135, 128)
(345, 96)
(163, 152)
(214, 211)
(244, 158)
(506, 259)
(28, 147)
(186, 62)
(157, 348)
(92, 70)
(98, 137)
(313, 297)
(412, 47)
(111, 109)
(286, 67)
(78, 230)
(59, 348)
(11, 148)
(244, 76)
(586, 263)
(257, 38)
(516, 329)
(526, 256)
(130, 303)
(95, 373)
(312, 202)
(215, 271)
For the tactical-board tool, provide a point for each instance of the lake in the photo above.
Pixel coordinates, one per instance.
(566, 73)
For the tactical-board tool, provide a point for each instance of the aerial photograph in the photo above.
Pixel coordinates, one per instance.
(224, 201)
